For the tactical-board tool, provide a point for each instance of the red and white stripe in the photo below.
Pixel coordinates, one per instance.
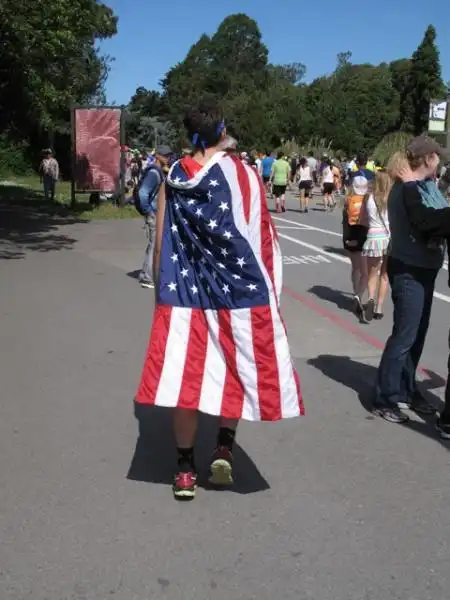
(230, 363)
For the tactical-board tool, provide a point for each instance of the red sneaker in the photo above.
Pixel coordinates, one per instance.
(222, 467)
(184, 485)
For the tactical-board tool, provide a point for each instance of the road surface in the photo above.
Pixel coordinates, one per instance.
(336, 506)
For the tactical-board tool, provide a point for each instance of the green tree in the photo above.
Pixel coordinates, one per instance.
(148, 132)
(424, 84)
(343, 60)
(400, 76)
(48, 60)
(147, 102)
(237, 51)
(229, 67)
(354, 107)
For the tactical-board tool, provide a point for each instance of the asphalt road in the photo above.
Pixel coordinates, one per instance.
(335, 506)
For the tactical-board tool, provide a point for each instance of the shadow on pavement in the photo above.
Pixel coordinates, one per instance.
(434, 380)
(30, 223)
(350, 373)
(360, 378)
(134, 274)
(154, 457)
(341, 299)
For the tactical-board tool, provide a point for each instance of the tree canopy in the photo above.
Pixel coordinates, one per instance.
(423, 84)
(49, 60)
(354, 107)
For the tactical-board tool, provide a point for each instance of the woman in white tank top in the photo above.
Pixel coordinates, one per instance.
(376, 245)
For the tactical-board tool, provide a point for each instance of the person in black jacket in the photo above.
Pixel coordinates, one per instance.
(415, 257)
(433, 224)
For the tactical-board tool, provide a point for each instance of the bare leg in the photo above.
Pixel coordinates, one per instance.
(384, 285)
(359, 282)
(362, 287)
(185, 426)
(302, 200)
(374, 265)
(355, 277)
(283, 202)
(358, 274)
(307, 197)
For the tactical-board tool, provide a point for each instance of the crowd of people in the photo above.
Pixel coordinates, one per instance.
(395, 223)
(202, 241)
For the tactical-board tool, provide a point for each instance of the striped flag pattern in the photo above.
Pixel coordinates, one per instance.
(218, 343)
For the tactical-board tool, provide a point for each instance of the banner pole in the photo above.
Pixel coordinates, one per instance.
(73, 199)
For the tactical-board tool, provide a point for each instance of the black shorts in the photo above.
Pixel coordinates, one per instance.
(266, 178)
(279, 190)
(354, 237)
(307, 186)
(328, 188)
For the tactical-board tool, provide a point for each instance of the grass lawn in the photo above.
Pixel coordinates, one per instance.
(28, 191)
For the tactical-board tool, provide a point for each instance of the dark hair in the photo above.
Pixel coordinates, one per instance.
(303, 162)
(361, 159)
(280, 155)
(268, 153)
(311, 153)
(204, 125)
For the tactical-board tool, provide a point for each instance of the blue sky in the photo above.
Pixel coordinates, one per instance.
(153, 36)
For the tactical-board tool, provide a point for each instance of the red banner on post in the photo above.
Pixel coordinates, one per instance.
(97, 149)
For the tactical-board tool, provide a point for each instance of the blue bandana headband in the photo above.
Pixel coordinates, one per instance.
(196, 137)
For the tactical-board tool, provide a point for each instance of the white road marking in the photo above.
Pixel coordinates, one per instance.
(304, 226)
(443, 297)
(310, 227)
(298, 227)
(343, 259)
(306, 259)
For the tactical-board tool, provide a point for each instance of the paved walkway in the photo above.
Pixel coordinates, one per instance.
(337, 506)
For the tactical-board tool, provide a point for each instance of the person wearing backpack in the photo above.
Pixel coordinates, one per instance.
(355, 229)
(145, 201)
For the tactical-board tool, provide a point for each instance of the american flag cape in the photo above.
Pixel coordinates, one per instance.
(218, 343)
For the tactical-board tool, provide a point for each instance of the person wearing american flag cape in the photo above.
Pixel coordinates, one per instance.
(218, 343)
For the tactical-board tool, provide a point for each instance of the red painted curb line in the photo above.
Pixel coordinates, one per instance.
(342, 323)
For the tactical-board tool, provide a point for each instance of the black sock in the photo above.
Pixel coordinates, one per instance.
(445, 416)
(186, 460)
(226, 437)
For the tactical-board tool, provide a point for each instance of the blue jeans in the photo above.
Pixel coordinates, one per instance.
(49, 187)
(412, 295)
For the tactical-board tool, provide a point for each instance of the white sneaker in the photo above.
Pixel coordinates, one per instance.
(147, 284)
